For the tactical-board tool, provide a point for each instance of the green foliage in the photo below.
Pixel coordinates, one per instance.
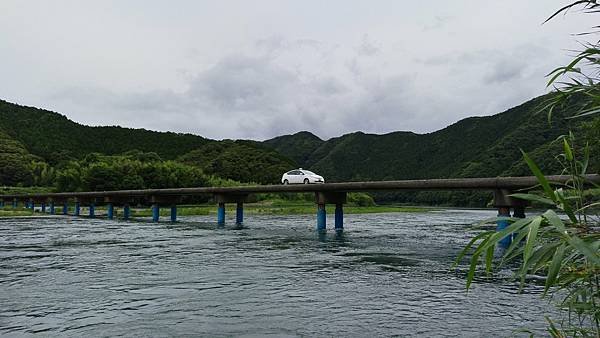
(241, 161)
(55, 138)
(15, 162)
(565, 251)
(474, 147)
(133, 171)
(361, 199)
(298, 146)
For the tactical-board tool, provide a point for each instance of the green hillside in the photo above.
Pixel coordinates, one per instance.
(54, 137)
(298, 147)
(243, 161)
(473, 147)
(14, 161)
(40, 147)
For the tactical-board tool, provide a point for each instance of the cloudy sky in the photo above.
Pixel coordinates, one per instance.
(258, 69)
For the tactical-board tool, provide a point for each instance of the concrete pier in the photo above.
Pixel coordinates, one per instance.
(239, 213)
(155, 213)
(339, 217)
(221, 214)
(126, 212)
(110, 211)
(321, 217)
(173, 213)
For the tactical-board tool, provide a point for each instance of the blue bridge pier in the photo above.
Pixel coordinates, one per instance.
(238, 199)
(334, 194)
(158, 201)
(336, 198)
(504, 203)
(114, 202)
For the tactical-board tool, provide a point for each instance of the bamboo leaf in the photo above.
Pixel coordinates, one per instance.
(540, 177)
(472, 267)
(533, 198)
(567, 149)
(555, 266)
(464, 251)
(576, 242)
(531, 236)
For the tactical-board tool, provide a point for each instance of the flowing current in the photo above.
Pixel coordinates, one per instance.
(388, 274)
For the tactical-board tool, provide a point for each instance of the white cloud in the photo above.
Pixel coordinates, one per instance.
(241, 70)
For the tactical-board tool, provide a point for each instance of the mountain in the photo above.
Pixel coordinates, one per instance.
(472, 147)
(29, 133)
(298, 146)
(38, 146)
(52, 136)
(243, 161)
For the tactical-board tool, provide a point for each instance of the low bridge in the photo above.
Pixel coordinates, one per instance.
(328, 193)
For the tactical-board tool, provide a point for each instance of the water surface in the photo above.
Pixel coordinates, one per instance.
(387, 275)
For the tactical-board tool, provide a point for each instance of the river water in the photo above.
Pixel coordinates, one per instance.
(389, 274)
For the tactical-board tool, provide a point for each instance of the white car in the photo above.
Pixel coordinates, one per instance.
(301, 176)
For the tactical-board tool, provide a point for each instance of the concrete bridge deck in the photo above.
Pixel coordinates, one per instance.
(328, 193)
(487, 183)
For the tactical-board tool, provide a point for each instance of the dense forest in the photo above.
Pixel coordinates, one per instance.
(44, 148)
(474, 147)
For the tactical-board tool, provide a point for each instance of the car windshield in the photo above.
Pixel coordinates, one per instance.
(306, 172)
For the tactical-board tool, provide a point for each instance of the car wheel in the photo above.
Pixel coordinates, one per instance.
(285, 182)
(306, 181)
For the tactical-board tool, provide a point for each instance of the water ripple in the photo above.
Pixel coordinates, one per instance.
(388, 274)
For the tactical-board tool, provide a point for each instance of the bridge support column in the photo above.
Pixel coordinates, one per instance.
(221, 214)
(503, 201)
(339, 217)
(77, 208)
(239, 213)
(155, 212)
(321, 218)
(43, 207)
(126, 212)
(110, 211)
(158, 201)
(174, 213)
(1, 203)
(65, 210)
(14, 203)
(32, 205)
(52, 210)
(92, 210)
(239, 199)
(504, 212)
(323, 198)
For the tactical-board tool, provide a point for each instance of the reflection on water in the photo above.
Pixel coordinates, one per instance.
(387, 274)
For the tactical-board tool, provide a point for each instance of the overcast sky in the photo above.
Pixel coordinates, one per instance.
(258, 69)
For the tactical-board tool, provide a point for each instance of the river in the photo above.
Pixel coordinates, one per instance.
(389, 274)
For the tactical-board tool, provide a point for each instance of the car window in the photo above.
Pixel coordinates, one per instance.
(308, 172)
(290, 172)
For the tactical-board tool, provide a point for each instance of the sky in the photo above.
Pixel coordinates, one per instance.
(259, 69)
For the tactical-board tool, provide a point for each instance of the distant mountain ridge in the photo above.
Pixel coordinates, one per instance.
(472, 147)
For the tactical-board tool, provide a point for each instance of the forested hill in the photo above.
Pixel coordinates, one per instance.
(54, 137)
(473, 147)
(40, 147)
